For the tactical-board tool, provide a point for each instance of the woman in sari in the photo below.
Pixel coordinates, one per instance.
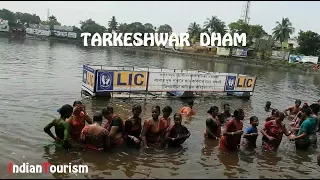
(94, 136)
(154, 130)
(78, 120)
(273, 131)
(232, 132)
(166, 111)
(133, 127)
(115, 126)
(176, 134)
(213, 124)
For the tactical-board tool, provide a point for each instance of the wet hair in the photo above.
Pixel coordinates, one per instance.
(77, 103)
(78, 109)
(225, 105)
(298, 101)
(97, 117)
(156, 107)
(107, 111)
(273, 112)
(305, 105)
(253, 118)
(66, 111)
(190, 103)
(307, 111)
(136, 107)
(279, 114)
(315, 108)
(177, 114)
(268, 103)
(167, 109)
(212, 109)
(237, 113)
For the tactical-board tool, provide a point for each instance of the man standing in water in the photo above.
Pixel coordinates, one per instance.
(225, 115)
(293, 110)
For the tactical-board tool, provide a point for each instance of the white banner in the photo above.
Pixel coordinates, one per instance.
(171, 81)
(221, 51)
(63, 28)
(4, 27)
(72, 35)
(38, 32)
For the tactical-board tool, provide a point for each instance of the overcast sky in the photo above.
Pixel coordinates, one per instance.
(178, 15)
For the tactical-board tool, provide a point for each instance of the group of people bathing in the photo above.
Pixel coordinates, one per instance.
(159, 131)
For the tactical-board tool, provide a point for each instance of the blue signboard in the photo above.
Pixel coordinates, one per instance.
(230, 83)
(104, 81)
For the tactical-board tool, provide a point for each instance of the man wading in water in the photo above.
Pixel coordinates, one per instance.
(61, 126)
(293, 110)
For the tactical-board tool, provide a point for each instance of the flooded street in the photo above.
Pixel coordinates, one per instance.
(37, 77)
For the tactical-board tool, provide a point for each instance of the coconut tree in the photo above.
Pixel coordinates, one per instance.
(214, 24)
(194, 30)
(113, 24)
(283, 30)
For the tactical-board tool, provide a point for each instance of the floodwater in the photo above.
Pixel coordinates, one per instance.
(37, 77)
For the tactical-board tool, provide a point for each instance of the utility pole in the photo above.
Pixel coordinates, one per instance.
(245, 12)
(48, 14)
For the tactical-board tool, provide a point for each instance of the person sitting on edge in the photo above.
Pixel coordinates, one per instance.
(273, 131)
(61, 126)
(267, 108)
(302, 140)
(94, 136)
(176, 134)
(225, 115)
(272, 116)
(115, 127)
(153, 131)
(188, 110)
(78, 120)
(213, 125)
(166, 114)
(133, 126)
(293, 110)
(232, 132)
(251, 133)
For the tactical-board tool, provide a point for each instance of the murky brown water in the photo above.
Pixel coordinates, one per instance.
(37, 77)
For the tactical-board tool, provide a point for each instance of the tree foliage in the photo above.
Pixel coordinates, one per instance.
(214, 24)
(52, 20)
(309, 43)
(19, 18)
(252, 31)
(165, 29)
(113, 24)
(283, 30)
(92, 27)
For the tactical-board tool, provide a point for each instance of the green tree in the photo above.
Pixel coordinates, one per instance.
(122, 28)
(214, 24)
(52, 20)
(165, 29)
(252, 31)
(283, 30)
(309, 43)
(194, 30)
(113, 24)
(149, 28)
(92, 27)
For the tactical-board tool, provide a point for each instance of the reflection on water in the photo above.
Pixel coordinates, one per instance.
(37, 77)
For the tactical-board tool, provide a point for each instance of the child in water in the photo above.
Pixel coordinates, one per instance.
(267, 108)
(176, 134)
(251, 133)
(166, 112)
(60, 125)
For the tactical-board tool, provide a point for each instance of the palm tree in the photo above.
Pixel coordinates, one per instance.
(113, 24)
(214, 24)
(52, 18)
(194, 30)
(283, 30)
